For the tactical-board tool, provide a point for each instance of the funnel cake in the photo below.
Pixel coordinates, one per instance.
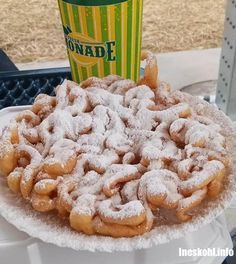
(110, 155)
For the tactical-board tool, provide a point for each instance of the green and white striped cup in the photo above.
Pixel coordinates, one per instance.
(103, 37)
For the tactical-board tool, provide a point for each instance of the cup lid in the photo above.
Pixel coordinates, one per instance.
(94, 2)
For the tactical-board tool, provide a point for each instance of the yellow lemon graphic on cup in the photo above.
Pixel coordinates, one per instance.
(86, 51)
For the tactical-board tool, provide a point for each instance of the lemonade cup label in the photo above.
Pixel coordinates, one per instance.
(102, 37)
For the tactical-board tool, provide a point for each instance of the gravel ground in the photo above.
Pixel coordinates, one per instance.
(30, 30)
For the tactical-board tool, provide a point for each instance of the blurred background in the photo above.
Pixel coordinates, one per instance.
(31, 30)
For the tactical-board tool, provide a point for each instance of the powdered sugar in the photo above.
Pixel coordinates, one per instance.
(120, 212)
(196, 196)
(198, 178)
(117, 174)
(158, 235)
(5, 148)
(35, 156)
(85, 204)
(130, 191)
(161, 183)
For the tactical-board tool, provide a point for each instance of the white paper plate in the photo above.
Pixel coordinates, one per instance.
(52, 230)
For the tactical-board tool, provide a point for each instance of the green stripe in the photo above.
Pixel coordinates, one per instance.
(129, 38)
(76, 77)
(90, 28)
(84, 73)
(76, 18)
(89, 20)
(137, 42)
(95, 70)
(94, 2)
(65, 11)
(67, 23)
(140, 38)
(60, 9)
(73, 65)
(118, 39)
(104, 23)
